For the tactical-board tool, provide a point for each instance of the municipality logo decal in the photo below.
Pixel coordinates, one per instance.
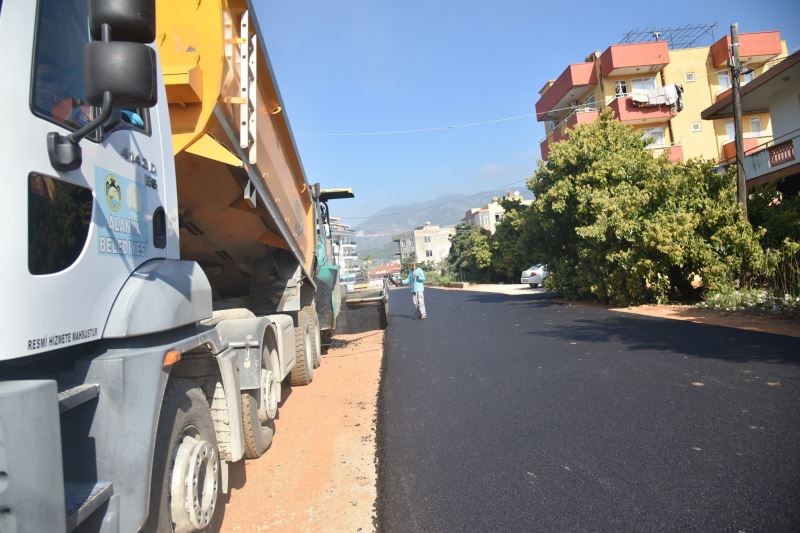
(113, 193)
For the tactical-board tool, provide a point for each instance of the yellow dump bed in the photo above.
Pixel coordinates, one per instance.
(241, 184)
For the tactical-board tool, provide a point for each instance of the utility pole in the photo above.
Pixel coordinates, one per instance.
(736, 69)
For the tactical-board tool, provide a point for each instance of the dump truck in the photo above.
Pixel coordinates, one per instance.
(166, 261)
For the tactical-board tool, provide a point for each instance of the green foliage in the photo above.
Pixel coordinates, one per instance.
(426, 266)
(470, 251)
(513, 247)
(616, 224)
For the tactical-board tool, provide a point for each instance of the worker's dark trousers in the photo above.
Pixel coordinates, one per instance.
(419, 303)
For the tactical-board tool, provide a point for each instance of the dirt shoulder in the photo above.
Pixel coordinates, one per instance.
(319, 474)
(729, 319)
(763, 324)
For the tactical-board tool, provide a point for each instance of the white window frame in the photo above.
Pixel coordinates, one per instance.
(747, 77)
(730, 130)
(427, 238)
(753, 131)
(644, 84)
(688, 77)
(724, 75)
(620, 88)
(658, 140)
(697, 126)
(589, 102)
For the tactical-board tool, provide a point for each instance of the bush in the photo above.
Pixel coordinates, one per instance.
(729, 299)
(618, 225)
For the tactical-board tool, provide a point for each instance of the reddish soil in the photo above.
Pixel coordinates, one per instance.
(319, 474)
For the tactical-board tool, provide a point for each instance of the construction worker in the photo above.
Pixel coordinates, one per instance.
(416, 277)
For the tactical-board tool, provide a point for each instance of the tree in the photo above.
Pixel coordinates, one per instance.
(617, 224)
(513, 246)
(470, 251)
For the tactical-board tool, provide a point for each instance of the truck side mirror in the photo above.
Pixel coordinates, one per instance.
(126, 70)
(119, 70)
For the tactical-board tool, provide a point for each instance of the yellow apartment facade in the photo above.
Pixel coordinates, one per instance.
(662, 92)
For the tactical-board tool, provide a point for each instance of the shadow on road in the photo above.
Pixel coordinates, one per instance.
(596, 324)
(695, 340)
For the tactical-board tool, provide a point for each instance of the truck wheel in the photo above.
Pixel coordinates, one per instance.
(186, 470)
(303, 371)
(259, 408)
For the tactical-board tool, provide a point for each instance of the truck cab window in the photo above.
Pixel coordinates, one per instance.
(59, 214)
(62, 30)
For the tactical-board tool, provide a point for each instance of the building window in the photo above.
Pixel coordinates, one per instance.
(747, 76)
(730, 130)
(428, 253)
(589, 102)
(724, 80)
(657, 134)
(427, 238)
(697, 126)
(620, 88)
(689, 76)
(755, 126)
(643, 84)
(497, 217)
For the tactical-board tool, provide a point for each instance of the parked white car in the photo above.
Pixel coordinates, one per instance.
(535, 275)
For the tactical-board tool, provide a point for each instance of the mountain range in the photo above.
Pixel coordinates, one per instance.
(376, 231)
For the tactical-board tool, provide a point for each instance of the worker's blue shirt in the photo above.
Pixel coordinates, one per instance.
(416, 285)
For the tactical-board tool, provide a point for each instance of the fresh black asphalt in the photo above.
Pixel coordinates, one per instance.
(505, 413)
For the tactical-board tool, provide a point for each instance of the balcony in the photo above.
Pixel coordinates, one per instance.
(674, 152)
(627, 112)
(750, 145)
(559, 133)
(773, 162)
(635, 58)
(572, 83)
(754, 48)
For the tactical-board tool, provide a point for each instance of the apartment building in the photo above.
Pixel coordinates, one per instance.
(492, 213)
(778, 93)
(428, 242)
(344, 250)
(661, 91)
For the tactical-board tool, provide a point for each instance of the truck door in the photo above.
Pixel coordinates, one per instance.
(73, 237)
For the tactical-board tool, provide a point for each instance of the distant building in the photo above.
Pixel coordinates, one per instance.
(491, 214)
(344, 250)
(381, 271)
(425, 243)
(777, 91)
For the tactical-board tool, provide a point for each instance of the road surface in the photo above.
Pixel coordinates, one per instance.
(508, 413)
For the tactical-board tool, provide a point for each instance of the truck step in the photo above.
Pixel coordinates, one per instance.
(71, 398)
(82, 499)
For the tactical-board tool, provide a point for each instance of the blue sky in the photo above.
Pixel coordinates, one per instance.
(385, 65)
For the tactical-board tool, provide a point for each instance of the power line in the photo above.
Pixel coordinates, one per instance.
(417, 130)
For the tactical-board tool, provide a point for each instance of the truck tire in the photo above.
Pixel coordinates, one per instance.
(186, 477)
(303, 371)
(260, 407)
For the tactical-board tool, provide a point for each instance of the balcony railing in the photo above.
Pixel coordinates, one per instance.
(569, 86)
(780, 154)
(754, 48)
(770, 160)
(627, 112)
(634, 58)
(674, 152)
